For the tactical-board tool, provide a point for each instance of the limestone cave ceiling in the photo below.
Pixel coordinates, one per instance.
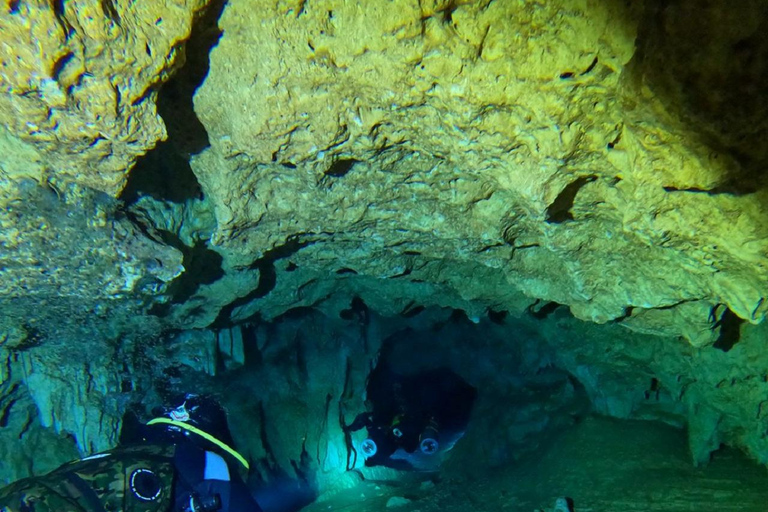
(202, 165)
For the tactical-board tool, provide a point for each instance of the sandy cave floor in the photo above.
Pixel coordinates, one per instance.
(604, 465)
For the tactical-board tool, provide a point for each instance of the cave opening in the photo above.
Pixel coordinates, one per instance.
(519, 412)
(475, 400)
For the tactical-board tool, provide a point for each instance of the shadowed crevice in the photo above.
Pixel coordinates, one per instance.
(560, 209)
(164, 172)
(163, 175)
(202, 266)
(175, 103)
(267, 278)
(541, 310)
(730, 330)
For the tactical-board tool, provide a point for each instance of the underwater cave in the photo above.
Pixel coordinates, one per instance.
(424, 256)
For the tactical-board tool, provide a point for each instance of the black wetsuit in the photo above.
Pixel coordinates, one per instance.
(200, 474)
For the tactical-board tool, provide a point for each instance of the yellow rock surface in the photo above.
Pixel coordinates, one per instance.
(78, 84)
(548, 141)
(476, 154)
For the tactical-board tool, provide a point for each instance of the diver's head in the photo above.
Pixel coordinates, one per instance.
(197, 419)
(199, 411)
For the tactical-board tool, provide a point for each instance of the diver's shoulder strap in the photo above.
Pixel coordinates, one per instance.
(203, 435)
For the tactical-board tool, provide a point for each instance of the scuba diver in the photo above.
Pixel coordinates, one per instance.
(403, 432)
(408, 413)
(183, 460)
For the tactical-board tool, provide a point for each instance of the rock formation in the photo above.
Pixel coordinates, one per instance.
(583, 180)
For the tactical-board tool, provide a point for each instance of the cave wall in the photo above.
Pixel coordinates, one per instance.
(79, 84)
(588, 153)
(558, 144)
(475, 155)
(288, 384)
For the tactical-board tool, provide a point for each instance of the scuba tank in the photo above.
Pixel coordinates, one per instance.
(428, 440)
(369, 448)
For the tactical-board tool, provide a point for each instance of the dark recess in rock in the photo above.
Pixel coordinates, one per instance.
(730, 330)
(164, 172)
(612, 145)
(448, 10)
(202, 266)
(590, 67)
(653, 390)
(7, 403)
(540, 309)
(58, 11)
(497, 317)
(358, 309)
(412, 310)
(60, 64)
(731, 188)
(164, 175)
(251, 351)
(560, 209)
(724, 101)
(110, 11)
(267, 278)
(434, 395)
(627, 313)
(341, 167)
(346, 270)
(457, 316)
(33, 338)
(175, 102)
(132, 426)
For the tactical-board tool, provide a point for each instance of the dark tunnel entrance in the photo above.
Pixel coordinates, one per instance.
(413, 418)
(359, 410)
(433, 395)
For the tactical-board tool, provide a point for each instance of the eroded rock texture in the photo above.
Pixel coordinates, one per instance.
(489, 156)
(589, 154)
(78, 86)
